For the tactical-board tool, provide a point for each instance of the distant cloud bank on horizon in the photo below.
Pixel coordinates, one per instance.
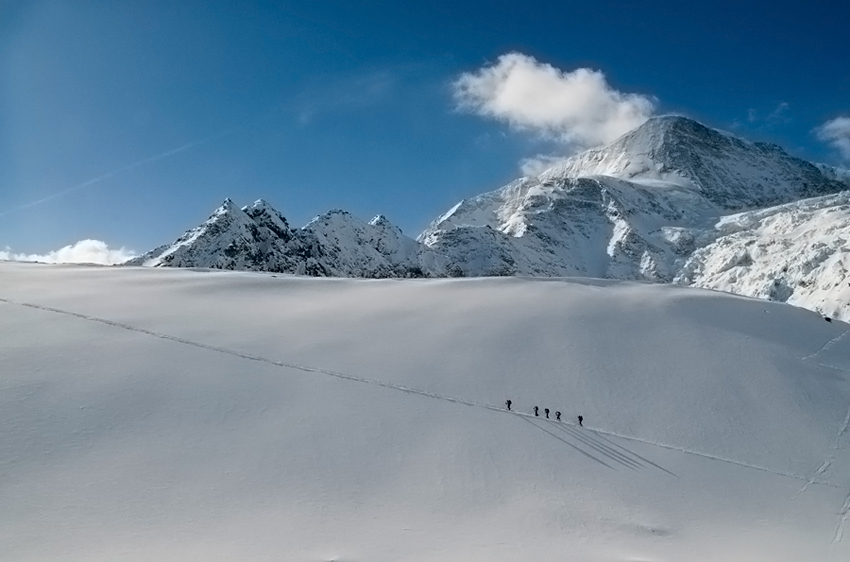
(84, 251)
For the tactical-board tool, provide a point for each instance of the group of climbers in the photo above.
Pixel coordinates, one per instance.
(545, 413)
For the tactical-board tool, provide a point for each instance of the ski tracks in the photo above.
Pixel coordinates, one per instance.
(844, 516)
(828, 345)
(814, 479)
(251, 357)
(844, 512)
(568, 427)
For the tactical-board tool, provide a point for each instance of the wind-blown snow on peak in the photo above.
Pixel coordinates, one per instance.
(835, 173)
(732, 173)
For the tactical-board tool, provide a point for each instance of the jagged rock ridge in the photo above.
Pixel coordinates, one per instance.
(671, 201)
(259, 238)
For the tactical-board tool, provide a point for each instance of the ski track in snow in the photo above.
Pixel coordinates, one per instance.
(844, 512)
(844, 515)
(826, 346)
(569, 427)
(813, 479)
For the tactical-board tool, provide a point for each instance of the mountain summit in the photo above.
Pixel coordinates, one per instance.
(670, 201)
(634, 209)
(259, 238)
(731, 172)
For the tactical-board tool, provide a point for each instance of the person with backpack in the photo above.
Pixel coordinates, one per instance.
(508, 404)
(535, 412)
(580, 419)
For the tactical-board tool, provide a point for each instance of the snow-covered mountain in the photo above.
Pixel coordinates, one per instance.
(733, 173)
(652, 206)
(633, 210)
(259, 238)
(657, 204)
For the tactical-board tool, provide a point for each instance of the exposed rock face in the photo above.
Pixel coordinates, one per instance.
(671, 201)
(632, 210)
(732, 173)
(259, 238)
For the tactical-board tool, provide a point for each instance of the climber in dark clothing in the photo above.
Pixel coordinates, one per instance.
(580, 419)
(558, 416)
(546, 411)
(535, 411)
(508, 404)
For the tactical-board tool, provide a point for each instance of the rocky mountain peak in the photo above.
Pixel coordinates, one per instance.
(258, 237)
(267, 216)
(730, 172)
(670, 201)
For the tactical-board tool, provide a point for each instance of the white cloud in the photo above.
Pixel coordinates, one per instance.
(84, 251)
(752, 115)
(578, 108)
(837, 133)
(345, 94)
(536, 165)
(777, 117)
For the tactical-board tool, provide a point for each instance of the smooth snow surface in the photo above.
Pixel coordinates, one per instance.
(182, 415)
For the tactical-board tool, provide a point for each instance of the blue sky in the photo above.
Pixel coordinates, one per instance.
(130, 123)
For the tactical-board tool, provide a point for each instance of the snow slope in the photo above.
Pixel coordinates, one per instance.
(167, 414)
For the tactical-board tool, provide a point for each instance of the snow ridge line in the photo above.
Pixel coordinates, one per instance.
(409, 390)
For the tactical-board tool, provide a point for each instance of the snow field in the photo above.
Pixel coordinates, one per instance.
(166, 418)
